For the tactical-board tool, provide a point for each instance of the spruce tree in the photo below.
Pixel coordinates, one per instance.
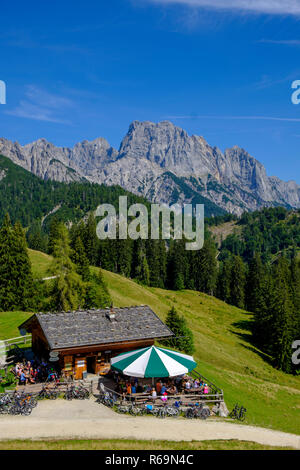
(91, 241)
(255, 285)
(53, 234)
(80, 259)
(206, 268)
(282, 320)
(183, 337)
(140, 265)
(237, 282)
(25, 290)
(16, 282)
(96, 292)
(224, 280)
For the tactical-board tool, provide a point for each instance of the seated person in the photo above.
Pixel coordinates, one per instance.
(153, 393)
(133, 388)
(163, 389)
(139, 389)
(196, 383)
(172, 389)
(188, 385)
(23, 379)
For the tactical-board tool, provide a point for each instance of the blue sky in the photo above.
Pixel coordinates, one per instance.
(219, 68)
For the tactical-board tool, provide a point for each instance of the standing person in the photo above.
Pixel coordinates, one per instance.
(158, 387)
(128, 388)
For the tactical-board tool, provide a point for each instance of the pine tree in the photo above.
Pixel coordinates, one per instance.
(282, 321)
(25, 291)
(183, 337)
(97, 294)
(237, 282)
(177, 268)
(224, 280)
(91, 241)
(206, 268)
(68, 290)
(153, 260)
(53, 234)
(255, 285)
(140, 268)
(80, 259)
(16, 282)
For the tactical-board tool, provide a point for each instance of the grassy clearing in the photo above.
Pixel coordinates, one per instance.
(124, 444)
(40, 263)
(224, 351)
(9, 322)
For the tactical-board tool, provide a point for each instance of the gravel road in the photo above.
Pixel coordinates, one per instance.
(86, 419)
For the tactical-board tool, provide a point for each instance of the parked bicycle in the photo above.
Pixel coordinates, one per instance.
(238, 412)
(197, 411)
(47, 393)
(107, 399)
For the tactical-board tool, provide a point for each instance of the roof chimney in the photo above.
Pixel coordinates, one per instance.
(111, 315)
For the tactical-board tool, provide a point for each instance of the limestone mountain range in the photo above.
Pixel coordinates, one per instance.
(164, 164)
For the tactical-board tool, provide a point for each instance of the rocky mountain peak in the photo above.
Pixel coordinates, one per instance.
(164, 163)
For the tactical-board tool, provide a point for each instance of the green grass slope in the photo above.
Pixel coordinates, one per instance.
(224, 351)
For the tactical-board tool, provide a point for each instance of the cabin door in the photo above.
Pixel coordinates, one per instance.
(91, 364)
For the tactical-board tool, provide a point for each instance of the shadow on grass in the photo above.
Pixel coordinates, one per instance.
(245, 334)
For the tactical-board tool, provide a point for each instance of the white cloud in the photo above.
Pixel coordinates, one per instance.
(278, 7)
(41, 105)
(233, 118)
(282, 42)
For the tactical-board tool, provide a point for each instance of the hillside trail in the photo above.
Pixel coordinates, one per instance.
(87, 419)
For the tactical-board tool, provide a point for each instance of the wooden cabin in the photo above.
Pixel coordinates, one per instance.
(83, 341)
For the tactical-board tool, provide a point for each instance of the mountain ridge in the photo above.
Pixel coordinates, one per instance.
(163, 163)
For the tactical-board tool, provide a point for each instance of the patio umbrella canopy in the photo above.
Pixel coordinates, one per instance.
(153, 362)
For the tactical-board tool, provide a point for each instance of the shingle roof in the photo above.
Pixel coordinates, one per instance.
(90, 327)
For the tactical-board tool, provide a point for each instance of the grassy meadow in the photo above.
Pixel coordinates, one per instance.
(127, 444)
(224, 351)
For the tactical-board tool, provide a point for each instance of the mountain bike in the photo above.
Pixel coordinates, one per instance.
(47, 393)
(197, 411)
(130, 408)
(238, 412)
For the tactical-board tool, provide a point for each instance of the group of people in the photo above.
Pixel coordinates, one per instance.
(31, 372)
(181, 384)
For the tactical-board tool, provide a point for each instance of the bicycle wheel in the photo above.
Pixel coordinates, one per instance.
(155, 411)
(68, 395)
(242, 414)
(175, 412)
(26, 410)
(14, 410)
(189, 413)
(162, 413)
(204, 414)
(122, 409)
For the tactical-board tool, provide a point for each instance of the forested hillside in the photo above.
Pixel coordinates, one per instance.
(28, 198)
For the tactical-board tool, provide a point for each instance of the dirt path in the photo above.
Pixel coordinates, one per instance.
(88, 420)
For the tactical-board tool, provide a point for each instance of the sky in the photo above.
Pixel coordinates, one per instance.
(222, 69)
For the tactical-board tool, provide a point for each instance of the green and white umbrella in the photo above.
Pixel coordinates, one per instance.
(153, 362)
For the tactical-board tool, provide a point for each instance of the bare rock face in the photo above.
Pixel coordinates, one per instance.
(164, 164)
